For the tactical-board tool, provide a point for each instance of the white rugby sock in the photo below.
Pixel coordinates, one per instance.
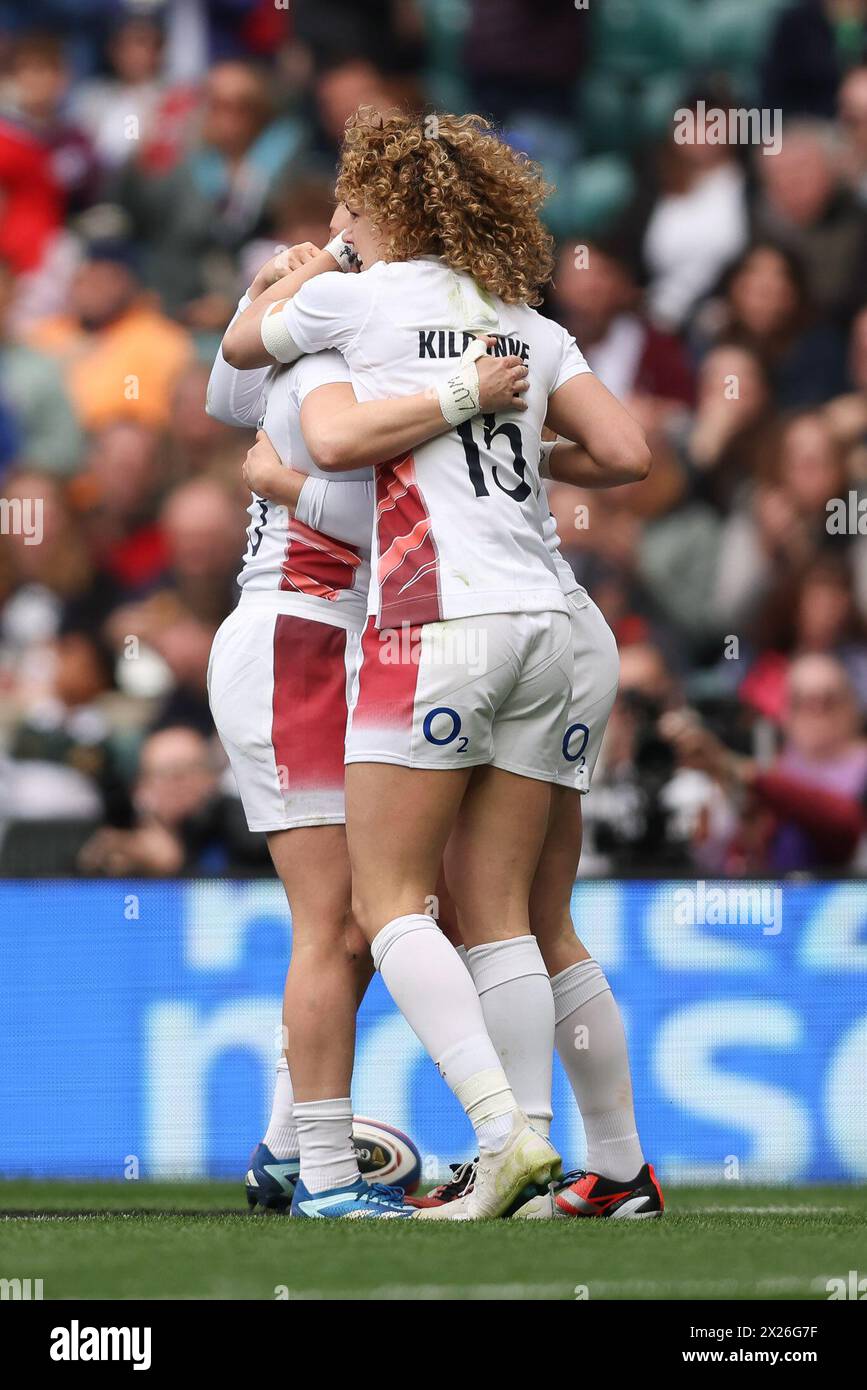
(281, 1136)
(325, 1139)
(513, 985)
(591, 1044)
(435, 994)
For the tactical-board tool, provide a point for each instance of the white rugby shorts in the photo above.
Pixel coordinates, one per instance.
(490, 689)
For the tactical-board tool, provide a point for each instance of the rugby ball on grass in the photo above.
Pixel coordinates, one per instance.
(386, 1154)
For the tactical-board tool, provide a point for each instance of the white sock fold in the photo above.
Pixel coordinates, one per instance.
(281, 1136)
(325, 1140)
(518, 1007)
(437, 997)
(591, 1045)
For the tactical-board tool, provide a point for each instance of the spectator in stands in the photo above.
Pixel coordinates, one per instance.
(804, 204)
(847, 414)
(805, 811)
(204, 533)
(387, 31)
(196, 442)
(194, 218)
(300, 211)
(32, 392)
(734, 424)
(339, 88)
(37, 581)
(852, 116)
(766, 307)
(119, 495)
(69, 725)
(779, 524)
(596, 297)
(119, 110)
(120, 355)
(810, 46)
(523, 58)
(39, 87)
(31, 200)
(645, 812)
(183, 823)
(689, 220)
(815, 611)
(203, 530)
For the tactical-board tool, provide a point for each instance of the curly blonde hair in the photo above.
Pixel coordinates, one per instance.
(447, 186)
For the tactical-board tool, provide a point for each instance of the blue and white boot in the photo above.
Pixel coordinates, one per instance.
(357, 1201)
(270, 1181)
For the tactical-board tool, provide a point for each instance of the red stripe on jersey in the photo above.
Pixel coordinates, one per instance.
(317, 564)
(408, 571)
(387, 677)
(308, 727)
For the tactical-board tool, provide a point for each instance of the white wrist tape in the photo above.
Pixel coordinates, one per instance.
(345, 256)
(276, 338)
(546, 449)
(459, 394)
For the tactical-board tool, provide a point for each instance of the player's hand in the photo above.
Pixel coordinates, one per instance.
(502, 383)
(262, 470)
(287, 259)
(293, 257)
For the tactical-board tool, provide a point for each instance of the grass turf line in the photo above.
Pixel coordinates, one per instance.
(149, 1240)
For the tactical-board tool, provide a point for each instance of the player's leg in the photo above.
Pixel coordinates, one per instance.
(398, 821)
(589, 1034)
(423, 972)
(278, 690)
(275, 1162)
(507, 806)
(361, 964)
(405, 781)
(491, 891)
(320, 1000)
(320, 993)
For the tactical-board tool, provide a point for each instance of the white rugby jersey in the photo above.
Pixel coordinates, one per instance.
(458, 524)
(316, 575)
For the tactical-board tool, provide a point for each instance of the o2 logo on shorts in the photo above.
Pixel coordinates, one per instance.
(575, 754)
(452, 732)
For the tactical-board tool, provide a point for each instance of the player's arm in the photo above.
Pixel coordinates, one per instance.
(245, 345)
(566, 462)
(265, 475)
(307, 312)
(341, 509)
(615, 449)
(236, 397)
(343, 433)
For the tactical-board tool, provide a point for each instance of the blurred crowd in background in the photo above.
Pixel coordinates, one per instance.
(153, 155)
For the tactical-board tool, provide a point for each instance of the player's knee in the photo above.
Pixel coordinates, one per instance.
(355, 942)
(321, 934)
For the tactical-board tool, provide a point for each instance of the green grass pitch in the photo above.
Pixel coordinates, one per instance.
(145, 1240)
